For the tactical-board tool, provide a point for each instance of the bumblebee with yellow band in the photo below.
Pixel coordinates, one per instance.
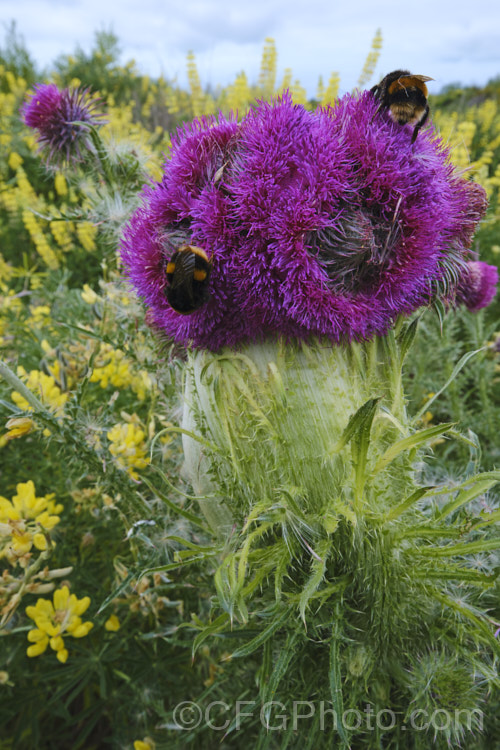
(405, 97)
(188, 274)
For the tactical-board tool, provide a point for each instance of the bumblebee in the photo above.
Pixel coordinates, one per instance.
(188, 274)
(405, 96)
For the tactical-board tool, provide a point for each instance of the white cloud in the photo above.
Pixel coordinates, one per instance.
(440, 38)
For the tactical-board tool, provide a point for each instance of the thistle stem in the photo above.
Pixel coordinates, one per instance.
(20, 387)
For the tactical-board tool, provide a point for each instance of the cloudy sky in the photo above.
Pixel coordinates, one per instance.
(446, 39)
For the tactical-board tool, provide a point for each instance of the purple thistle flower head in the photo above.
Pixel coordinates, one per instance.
(62, 119)
(477, 285)
(328, 223)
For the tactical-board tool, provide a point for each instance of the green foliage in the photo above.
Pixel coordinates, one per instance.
(457, 98)
(339, 536)
(15, 58)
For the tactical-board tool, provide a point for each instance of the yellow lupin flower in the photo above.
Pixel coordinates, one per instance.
(115, 372)
(112, 623)
(332, 90)
(86, 233)
(267, 75)
(145, 744)
(21, 542)
(127, 446)
(40, 641)
(25, 505)
(371, 60)
(17, 427)
(60, 184)
(61, 231)
(88, 295)
(115, 369)
(43, 386)
(55, 618)
(39, 239)
(15, 160)
(39, 316)
(24, 522)
(6, 270)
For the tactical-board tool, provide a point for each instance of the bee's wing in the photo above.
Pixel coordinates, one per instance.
(184, 269)
(422, 78)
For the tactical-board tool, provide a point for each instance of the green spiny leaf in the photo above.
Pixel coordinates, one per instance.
(466, 548)
(465, 496)
(215, 627)
(407, 503)
(318, 566)
(363, 416)
(411, 442)
(406, 338)
(336, 682)
(260, 639)
(463, 361)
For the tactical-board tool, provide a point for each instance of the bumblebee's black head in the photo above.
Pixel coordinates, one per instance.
(401, 84)
(381, 88)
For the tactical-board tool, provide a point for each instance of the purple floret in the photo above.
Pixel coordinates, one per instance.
(477, 285)
(61, 119)
(328, 223)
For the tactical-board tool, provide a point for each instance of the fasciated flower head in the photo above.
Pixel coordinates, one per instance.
(328, 223)
(62, 119)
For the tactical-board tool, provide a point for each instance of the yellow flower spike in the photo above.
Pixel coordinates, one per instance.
(61, 597)
(86, 233)
(146, 744)
(22, 541)
(112, 623)
(15, 161)
(34, 611)
(40, 641)
(60, 184)
(40, 542)
(88, 295)
(18, 426)
(45, 387)
(81, 605)
(56, 643)
(36, 635)
(127, 446)
(47, 348)
(39, 314)
(22, 518)
(47, 521)
(45, 624)
(53, 619)
(51, 505)
(62, 655)
(82, 630)
(7, 511)
(25, 501)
